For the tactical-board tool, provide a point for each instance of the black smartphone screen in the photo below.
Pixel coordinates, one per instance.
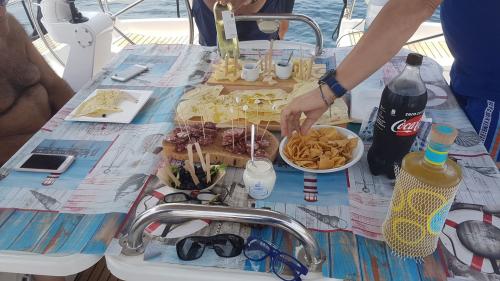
(46, 162)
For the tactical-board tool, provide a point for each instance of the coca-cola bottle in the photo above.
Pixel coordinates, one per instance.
(400, 111)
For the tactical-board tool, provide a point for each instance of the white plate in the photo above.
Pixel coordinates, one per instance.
(356, 155)
(129, 109)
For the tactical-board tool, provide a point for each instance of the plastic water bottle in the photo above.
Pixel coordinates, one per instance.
(401, 108)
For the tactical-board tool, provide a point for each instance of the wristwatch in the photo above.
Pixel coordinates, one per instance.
(329, 79)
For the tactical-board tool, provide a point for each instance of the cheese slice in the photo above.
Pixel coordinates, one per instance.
(104, 102)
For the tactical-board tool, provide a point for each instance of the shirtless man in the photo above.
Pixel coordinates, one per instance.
(203, 15)
(30, 91)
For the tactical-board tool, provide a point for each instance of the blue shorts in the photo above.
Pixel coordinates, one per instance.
(205, 22)
(484, 116)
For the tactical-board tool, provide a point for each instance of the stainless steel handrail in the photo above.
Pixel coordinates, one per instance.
(177, 213)
(128, 7)
(291, 17)
(191, 24)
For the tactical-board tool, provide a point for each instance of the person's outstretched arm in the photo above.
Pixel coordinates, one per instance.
(390, 30)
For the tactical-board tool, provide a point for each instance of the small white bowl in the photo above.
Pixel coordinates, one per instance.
(356, 155)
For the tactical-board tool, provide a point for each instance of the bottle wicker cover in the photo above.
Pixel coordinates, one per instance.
(416, 216)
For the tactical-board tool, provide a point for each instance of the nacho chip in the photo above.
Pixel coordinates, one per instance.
(323, 148)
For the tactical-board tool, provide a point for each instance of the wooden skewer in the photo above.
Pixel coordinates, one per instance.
(271, 45)
(190, 155)
(209, 176)
(200, 155)
(185, 127)
(261, 62)
(168, 172)
(257, 101)
(232, 122)
(192, 173)
(245, 108)
(235, 62)
(163, 176)
(226, 64)
(267, 125)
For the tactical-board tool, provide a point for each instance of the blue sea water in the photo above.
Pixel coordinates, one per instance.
(326, 13)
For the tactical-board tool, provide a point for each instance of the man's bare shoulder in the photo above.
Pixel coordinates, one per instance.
(17, 31)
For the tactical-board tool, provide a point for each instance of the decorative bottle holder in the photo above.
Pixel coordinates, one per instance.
(416, 216)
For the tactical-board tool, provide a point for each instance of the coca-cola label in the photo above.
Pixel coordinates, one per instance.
(406, 127)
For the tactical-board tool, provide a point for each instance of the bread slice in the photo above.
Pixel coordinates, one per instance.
(218, 155)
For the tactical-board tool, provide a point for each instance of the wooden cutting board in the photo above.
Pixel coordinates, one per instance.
(218, 155)
(272, 126)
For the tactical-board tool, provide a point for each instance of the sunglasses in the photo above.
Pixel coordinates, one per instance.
(286, 267)
(224, 245)
(204, 197)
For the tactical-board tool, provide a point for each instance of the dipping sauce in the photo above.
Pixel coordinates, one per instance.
(259, 178)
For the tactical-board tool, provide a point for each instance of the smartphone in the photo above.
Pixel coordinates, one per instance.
(45, 163)
(129, 73)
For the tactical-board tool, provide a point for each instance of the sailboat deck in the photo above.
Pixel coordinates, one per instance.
(434, 48)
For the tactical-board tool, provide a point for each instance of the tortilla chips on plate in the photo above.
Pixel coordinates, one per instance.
(322, 148)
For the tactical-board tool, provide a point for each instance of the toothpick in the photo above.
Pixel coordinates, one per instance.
(190, 155)
(271, 55)
(192, 173)
(168, 172)
(267, 125)
(200, 155)
(257, 101)
(237, 100)
(203, 124)
(261, 61)
(226, 64)
(185, 127)
(209, 176)
(245, 108)
(235, 62)
(232, 122)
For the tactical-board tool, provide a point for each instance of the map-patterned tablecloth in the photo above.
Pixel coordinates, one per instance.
(82, 210)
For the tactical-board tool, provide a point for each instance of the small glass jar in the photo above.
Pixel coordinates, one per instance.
(259, 178)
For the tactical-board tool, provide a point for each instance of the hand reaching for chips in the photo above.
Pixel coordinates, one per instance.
(323, 148)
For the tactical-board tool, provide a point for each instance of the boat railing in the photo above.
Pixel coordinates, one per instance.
(132, 243)
(104, 6)
(291, 17)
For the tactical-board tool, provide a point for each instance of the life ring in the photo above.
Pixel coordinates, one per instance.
(450, 240)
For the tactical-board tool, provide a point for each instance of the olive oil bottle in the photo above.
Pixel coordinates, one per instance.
(425, 188)
(227, 37)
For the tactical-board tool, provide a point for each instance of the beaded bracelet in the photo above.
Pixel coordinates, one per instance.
(323, 95)
(324, 99)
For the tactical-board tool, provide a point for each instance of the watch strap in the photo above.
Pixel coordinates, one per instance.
(331, 81)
